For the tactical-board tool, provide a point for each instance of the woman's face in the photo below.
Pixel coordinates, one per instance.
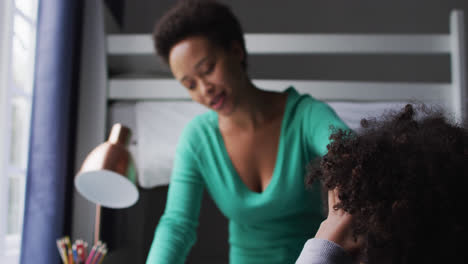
(213, 76)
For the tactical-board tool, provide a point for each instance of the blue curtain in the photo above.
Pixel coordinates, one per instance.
(50, 166)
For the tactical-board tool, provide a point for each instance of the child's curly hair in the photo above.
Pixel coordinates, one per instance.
(404, 178)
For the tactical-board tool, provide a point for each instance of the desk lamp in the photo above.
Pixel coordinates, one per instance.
(107, 176)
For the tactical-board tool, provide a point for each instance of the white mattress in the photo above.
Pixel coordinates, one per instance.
(156, 127)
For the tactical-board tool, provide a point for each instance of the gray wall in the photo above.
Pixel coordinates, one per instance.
(315, 16)
(330, 16)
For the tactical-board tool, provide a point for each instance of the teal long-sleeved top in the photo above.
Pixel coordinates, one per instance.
(267, 227)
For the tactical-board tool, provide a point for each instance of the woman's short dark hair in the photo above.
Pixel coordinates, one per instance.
(205, 18)
(404, 178)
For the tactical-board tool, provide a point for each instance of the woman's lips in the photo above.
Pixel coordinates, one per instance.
(218, 101)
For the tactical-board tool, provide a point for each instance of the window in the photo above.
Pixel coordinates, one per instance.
(17, 53)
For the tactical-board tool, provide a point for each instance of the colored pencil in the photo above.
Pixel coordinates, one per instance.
(103, 255)
(64, 248)
(75, 253)
(61, 251)
(97, 256)
(91, 254)
(67, 241)
(85, 250)
(70, 256)
(99, 249)
(80, 253)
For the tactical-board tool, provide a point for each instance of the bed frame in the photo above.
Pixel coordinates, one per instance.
(103, 53)
(451, 95)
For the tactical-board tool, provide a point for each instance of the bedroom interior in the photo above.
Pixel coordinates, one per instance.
(363, 58)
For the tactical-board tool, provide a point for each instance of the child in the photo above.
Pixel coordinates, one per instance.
(397, 192)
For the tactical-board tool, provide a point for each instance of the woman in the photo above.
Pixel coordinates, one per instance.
(249, 152)
(397, 193)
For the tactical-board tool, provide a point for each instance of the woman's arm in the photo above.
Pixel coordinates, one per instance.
(320, 118)
(176, 231)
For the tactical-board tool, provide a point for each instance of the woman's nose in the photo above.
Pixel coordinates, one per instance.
(206, 87)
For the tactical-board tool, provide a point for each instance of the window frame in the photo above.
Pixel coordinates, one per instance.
(6, 247)
(10, 244)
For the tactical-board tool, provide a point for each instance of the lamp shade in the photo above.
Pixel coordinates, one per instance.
(107, 176)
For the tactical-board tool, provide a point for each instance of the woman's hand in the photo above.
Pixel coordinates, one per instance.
(337, 226)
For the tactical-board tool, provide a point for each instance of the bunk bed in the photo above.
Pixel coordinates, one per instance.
(120, 72)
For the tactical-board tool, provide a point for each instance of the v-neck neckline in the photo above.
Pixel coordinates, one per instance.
(279, 158)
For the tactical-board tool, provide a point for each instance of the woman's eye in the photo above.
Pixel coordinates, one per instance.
(209, 69)
(191, 85)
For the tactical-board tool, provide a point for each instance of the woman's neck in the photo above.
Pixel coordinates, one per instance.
(254, 109)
